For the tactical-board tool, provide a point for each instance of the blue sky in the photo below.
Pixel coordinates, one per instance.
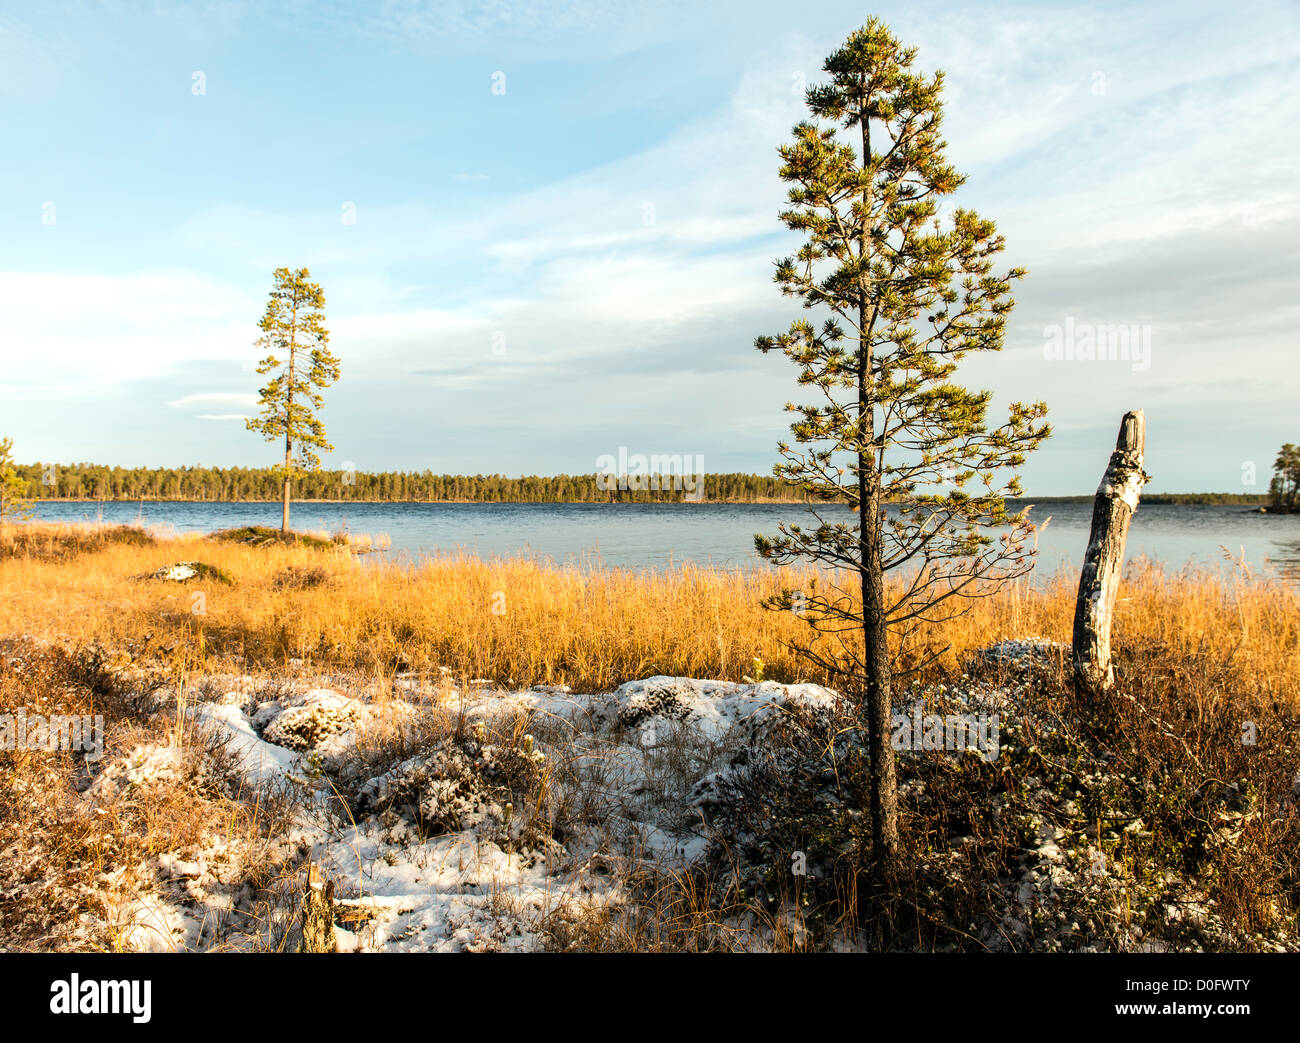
(537, 277)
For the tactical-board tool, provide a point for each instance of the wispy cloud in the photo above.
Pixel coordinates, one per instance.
(215, 400)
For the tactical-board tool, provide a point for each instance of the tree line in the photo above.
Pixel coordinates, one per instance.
(1223, 499)
(98, 482)
(84, 481)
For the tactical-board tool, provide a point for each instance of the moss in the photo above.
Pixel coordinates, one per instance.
(202, 570)
(264, 536)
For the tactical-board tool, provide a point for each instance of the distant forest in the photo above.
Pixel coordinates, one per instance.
(97, 482)
(1242, 499)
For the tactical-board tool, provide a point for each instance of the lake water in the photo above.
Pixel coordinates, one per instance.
(658, 535)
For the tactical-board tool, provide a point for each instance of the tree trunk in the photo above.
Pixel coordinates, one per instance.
(880, 709)
(1116, 500)
(284, 518)
(875, 644)
(288, 445)
(288, 412)
(317, 913)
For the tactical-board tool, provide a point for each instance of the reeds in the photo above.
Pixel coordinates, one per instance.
(520, 622)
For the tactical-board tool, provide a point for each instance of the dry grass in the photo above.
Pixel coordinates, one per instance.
(72, 871)
(518, 622)
(44, 540)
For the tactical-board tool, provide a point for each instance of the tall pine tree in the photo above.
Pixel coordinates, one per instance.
(904, 292)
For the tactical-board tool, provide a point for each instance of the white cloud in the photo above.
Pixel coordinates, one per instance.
(106, 329)
(215, 400)
(137, 299)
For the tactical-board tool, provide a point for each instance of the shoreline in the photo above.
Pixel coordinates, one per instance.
(1152, 499)
(515, 503)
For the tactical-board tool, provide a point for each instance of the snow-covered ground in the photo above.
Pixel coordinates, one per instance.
(637, 759)
(405, 797)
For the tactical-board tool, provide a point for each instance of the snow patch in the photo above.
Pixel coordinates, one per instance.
(147, 763)
(260, 761)
(711, 708)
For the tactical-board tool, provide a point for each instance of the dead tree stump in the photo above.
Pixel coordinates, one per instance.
(1116, 500)
(317, 913)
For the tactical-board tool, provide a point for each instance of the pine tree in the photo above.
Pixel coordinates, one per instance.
(1286, 477)
(905, 295)
(14, 504)
(294, 334)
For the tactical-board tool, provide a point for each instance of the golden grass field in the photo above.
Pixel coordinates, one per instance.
(518, 622)
(1197, 654)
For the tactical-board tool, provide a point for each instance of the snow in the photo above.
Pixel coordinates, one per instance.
(152, 924)
(303, 721)
(460, 873)
(1024, 649)
(146, 763)
(444, 894)
(472, 888)
(396, 890)
(179, 572)
(645, 756)
(261, 762)
(457, 875)
(712, 708)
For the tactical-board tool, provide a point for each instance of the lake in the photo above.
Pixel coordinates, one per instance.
(659, 535)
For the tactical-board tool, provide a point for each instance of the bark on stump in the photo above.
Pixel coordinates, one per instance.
(317, 913)
(1116, 500)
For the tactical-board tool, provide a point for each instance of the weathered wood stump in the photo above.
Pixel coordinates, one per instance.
(1116, 500)
(317, 913)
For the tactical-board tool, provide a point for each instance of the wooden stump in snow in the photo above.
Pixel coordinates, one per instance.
(1117, 499)
(317, 913)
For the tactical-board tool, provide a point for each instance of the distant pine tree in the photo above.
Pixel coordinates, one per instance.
(294, 333)
(1285, 486)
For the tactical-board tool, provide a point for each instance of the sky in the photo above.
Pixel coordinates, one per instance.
(546, 230)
